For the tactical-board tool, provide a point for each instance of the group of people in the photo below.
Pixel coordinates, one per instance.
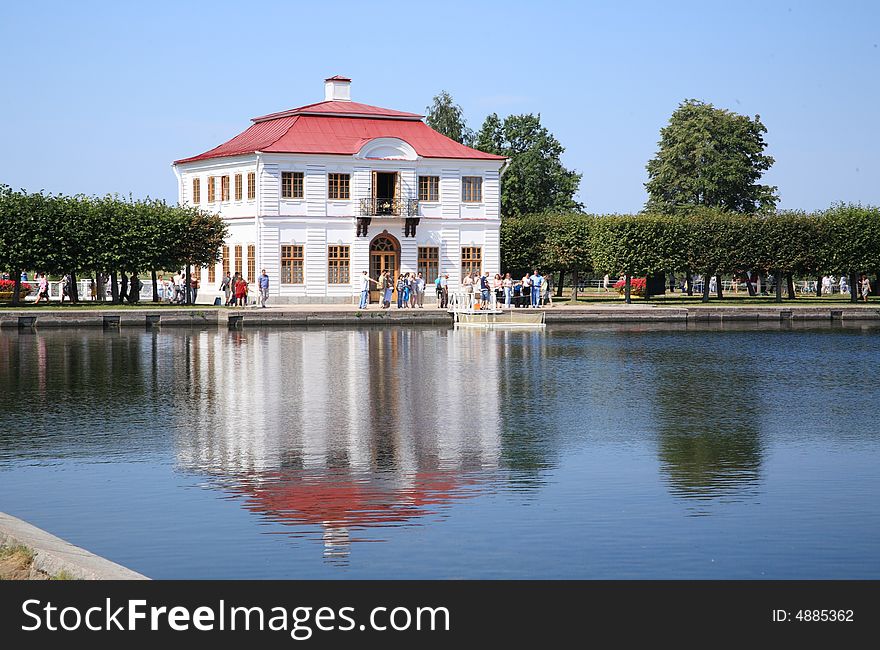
(829, 282)
(235, 289)
(410, 290)
(173, 290)
(532, 290)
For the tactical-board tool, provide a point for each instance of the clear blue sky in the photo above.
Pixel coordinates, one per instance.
(100, 97)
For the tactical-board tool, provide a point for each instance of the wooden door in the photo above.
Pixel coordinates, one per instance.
(384, 256)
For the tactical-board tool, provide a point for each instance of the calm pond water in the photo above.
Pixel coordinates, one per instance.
(579, 452)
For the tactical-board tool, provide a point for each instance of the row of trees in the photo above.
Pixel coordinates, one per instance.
(842, 239)
(71, 235)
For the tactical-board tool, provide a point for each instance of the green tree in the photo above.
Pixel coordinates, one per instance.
(567, 246)
(634, 245)
(713, 242)
(536, 180)
(710, 157)
(851, 241)
(522, 243)
(198, 238)
(785, 244)
(76, 236)
(446, 117)
(22, 240)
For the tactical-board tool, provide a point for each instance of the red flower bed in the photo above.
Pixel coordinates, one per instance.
(637, 286)
(9, 286)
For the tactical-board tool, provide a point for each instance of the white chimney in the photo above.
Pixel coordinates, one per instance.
(337, 89)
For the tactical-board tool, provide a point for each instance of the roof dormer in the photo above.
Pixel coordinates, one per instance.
(387, 149)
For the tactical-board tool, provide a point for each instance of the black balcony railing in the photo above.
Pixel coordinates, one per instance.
(389, 207)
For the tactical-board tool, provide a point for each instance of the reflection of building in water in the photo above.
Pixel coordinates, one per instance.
(342, 429)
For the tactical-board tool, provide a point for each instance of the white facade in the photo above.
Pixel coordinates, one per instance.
(262, 225)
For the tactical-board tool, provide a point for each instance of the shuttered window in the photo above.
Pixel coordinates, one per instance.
(197, 191)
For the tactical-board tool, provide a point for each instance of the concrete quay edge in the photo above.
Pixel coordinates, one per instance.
(53, 555)
(333, 315)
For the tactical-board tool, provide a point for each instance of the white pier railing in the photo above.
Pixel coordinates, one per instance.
(465, 302)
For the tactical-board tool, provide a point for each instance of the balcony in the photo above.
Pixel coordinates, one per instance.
(389, 208)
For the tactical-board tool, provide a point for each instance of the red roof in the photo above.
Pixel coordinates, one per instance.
(349, 500)
(340, 108)
(336, 127)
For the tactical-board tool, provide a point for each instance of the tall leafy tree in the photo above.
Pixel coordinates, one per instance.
(446, 117)
(710, 157)
(536, 180)
(522, 243)
(22, 236)
(851, 241)
(567, 246)
(634, 245)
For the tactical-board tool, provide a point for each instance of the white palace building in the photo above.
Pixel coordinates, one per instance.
(317, 194)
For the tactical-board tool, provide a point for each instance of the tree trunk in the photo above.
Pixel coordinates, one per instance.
(751, 288)
(719, 288)
(706, 286)
(188, 285)
(123, 294)
(16, 289)
(777, 278)
(114, 287)
(134, 292)
(760, 288)
(854, 288)
(560, 283)
(689, 283)
(74, 292)
(574, 287)
(627, 290)
(790, 282)
(819, 287)
(155, 286)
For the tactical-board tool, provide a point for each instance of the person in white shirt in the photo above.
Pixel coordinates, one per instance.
(507, 284)
(365, 289)
(420, 290)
